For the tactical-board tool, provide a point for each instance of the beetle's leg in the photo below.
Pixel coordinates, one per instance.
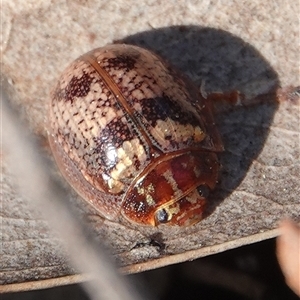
(236, 98)
(232, 97)
(221, 101)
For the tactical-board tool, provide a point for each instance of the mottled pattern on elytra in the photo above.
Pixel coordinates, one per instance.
(113, 111)
(91, 127)
(95, 130)
(161, 102)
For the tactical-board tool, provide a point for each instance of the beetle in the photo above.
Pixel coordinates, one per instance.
(134, 137)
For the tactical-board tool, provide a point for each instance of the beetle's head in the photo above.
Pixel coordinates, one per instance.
(173, 189)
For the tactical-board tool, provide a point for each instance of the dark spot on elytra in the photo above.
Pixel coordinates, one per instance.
(111, 137)
(122, 62)
(138, 85)
(77, 87)
(137, 163)
(161, 108)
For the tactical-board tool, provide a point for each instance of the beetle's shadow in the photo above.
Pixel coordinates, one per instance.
(225, 62)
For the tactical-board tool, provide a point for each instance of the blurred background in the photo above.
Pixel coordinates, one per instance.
(246, 273)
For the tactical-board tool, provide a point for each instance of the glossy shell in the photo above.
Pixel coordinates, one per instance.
(133, 137)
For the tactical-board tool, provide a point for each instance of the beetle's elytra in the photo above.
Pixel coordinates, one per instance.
(133, 137)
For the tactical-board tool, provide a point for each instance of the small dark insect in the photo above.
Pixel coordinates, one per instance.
(134, 138)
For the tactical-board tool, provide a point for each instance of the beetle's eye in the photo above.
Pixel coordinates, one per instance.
(203, 191)
(162, 216)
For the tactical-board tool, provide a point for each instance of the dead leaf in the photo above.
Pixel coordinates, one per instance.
(260, 174)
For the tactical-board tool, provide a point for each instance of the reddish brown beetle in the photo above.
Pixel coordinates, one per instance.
(133, 137)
